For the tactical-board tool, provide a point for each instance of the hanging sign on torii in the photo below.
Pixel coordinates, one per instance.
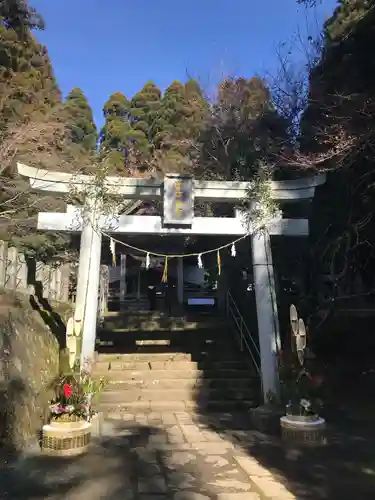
(178, 200)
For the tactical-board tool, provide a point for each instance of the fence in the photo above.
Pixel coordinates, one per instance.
(24, 275)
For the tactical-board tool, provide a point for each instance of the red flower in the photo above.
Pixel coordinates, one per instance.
(68, 391)
(317, 380)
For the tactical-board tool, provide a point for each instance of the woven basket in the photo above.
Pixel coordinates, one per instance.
(303, 430)
(69, 423)
(66, 439)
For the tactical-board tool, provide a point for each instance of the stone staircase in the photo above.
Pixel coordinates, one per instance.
(154, 363)
(132, 304)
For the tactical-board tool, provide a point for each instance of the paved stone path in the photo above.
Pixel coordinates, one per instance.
(159, 456)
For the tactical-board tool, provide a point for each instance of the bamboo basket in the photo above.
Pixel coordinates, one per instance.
(303, 430)
(66, 438)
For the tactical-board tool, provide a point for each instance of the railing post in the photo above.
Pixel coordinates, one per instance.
(241, 333)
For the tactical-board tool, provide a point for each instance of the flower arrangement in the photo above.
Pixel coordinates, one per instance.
(299, 380)
(74, 394)
(299, 386)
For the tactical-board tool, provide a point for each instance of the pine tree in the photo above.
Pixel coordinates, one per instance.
(196, 109)
(80, 120)
(27, 83)
(32, 128)
(119, 140)
(167, 126)
(145, 110)
(19, 16)
(182, 116)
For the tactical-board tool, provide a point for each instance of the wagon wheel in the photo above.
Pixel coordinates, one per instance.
(293, 318)
(301, 341)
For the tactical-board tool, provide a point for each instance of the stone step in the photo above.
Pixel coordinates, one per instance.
(172, 356)
(126, 346)
(169, 339)
(209, 331)
(191, 315)
(183, 394)
(145, 323)
(163, 384)
(114, 410)
(162, 354)
(193, 375)
(149, 342)
(168, 364)
(139, 356)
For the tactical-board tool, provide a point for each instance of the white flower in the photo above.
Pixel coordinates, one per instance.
(306, 405)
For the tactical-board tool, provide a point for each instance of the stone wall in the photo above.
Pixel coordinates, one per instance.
(26, 275)
(30, 339)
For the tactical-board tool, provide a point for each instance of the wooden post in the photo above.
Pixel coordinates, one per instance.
(106, 289)
(180, 281)
(38, 282)
(21, 274)
(58, 275)
(3, 262)
(65, 281)
(104, 285)
(11, 269)
(52, 285)
(46, 280)
(122, 281)
(139, 284)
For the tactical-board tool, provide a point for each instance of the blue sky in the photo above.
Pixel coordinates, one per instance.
(103, 47)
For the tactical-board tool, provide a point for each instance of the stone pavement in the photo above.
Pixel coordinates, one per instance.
(155, 456)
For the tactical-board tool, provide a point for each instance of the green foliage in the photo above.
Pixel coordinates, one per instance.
(33, 131)
(345, 18)
(27, 83)
(80, 120)
(300, 385)
(19, 16)
(182, 117)
(145, 110)
(153, 132)
(119, 138)
(64, 366)
(245, 131)
(74, 393)
(177, 131)
(169, 116)
(182, 113)
(337, 127)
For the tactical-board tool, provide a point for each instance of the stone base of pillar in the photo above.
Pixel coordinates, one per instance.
(267, 418)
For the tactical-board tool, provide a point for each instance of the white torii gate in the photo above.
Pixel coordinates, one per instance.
(90, 222)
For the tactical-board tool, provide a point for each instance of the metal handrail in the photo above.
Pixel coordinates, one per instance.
(245, 337)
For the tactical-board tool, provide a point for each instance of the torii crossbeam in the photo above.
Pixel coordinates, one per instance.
(91, 229)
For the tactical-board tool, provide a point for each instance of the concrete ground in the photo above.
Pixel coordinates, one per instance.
(159, 456)
(188, 456)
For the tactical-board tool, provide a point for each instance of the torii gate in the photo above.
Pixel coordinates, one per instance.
(90, 222)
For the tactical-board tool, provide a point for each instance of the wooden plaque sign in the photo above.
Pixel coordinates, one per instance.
(178, 200)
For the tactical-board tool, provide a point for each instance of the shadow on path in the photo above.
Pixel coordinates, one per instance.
(124, 466)
(343, 470)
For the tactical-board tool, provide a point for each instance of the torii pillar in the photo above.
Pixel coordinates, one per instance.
(86, 309)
